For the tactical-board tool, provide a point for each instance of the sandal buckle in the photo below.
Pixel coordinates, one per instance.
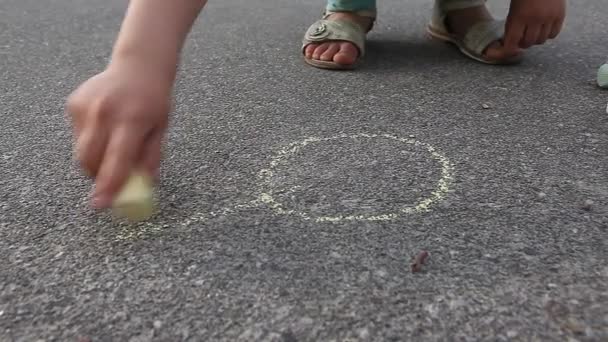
(318, 33)
(319, 30)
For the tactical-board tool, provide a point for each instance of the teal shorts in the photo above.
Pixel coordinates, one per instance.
(350, 5)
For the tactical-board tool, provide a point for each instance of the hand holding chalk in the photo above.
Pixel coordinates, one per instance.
(135, 201)
(119, 120)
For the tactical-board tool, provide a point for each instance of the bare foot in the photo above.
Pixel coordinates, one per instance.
(459, 22)
(341, 52)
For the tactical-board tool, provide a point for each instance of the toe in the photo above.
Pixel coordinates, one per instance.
(310, 48)
(347, 54)
(328, 55)
(319, 50)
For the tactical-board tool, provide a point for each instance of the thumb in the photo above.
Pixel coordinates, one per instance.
(514, 31)
(119, 157)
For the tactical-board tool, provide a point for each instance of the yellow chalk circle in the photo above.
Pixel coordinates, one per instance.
(266, 191)
(423, 205)
(135, 201)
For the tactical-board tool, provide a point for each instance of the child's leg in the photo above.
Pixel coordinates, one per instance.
(339, 43)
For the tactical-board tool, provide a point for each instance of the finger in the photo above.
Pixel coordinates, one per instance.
(78, 106)
(495, 51)
(514, 31)
(74, 122)
(151, 154)
(90, 148)
(531, 35)
(121, 153)
(543, 35)
(556, 28)
(73, 112)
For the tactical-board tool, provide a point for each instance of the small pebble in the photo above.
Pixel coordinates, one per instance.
(381, 273)
(305, 321)
(602, 76)
(157, 324)
(363, 334)
(587, 205)
(418, 261)
(542, 195)
(485, 106)
(574, 326)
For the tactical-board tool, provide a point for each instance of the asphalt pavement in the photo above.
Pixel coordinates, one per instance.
(292, 199)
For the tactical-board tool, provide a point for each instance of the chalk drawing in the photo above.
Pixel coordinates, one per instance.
(142, 229)
(423, 205)
(266, 197)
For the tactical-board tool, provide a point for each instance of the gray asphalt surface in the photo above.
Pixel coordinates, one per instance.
(517, 250)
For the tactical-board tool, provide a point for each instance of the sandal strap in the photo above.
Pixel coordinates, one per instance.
(482, 34)
(479, 36)
(330, 30)
(371, 14)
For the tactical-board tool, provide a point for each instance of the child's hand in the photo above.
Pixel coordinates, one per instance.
(119, 118)
(532, 22)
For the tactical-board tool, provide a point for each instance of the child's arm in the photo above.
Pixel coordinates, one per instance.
(154, 31)
(120, 115)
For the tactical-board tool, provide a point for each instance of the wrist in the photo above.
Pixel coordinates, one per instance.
(164, 68)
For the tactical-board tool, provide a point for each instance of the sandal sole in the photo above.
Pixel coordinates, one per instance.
(447, 38)
(329, 65)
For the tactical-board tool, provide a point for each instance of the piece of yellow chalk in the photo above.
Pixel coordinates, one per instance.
(135, 201)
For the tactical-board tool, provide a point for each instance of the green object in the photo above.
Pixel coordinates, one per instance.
(602, 76)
